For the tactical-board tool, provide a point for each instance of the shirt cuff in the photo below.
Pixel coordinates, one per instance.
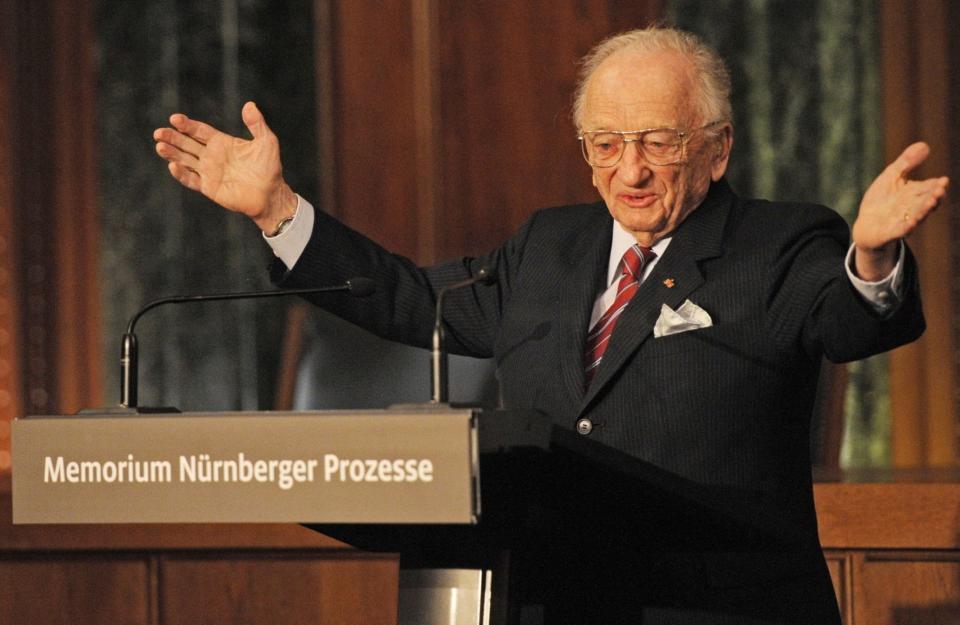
(884, 295)
(288, 246)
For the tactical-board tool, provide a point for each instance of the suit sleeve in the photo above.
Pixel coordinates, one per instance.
(403, 305)
(839, 323)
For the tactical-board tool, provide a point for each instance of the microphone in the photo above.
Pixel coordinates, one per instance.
(129, 358)
(439, 382)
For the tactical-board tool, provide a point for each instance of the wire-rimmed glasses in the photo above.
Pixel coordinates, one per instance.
(659, 146)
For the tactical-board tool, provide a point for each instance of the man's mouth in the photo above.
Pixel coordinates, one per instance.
(637, 200)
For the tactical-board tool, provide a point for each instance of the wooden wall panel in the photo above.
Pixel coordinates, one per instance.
(232, 574)
(900, 514)
(80, 591)
(449, 122)
(919, 589)
(11, 391)
(75, 286)
(919, 102)
(373, 139)
(838, 565)
(507, 71)
(892, 544)
(49, 337)
(279, 591)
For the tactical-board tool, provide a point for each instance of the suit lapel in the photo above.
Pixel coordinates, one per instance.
(699, 237)
(585, 266)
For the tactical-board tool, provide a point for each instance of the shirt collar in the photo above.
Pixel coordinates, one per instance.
(620, 242)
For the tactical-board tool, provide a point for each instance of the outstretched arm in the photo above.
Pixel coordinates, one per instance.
(241, 175)
(891, 209)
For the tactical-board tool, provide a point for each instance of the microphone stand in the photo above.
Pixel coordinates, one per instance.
(358, 287)
(439, 369)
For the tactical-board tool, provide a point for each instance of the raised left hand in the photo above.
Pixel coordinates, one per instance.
(891, 209)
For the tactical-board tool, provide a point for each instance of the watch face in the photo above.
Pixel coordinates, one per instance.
(281, 227)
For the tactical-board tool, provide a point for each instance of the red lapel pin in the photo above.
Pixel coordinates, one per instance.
(669, 283)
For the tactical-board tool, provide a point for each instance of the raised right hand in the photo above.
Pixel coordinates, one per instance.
(241, 175)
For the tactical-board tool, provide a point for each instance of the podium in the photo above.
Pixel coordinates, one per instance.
(499, 501)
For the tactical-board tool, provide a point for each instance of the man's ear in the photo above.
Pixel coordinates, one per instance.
(593, 176)
(721, 156)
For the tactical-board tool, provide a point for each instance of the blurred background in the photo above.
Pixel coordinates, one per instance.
(394, 116)
(402, 118)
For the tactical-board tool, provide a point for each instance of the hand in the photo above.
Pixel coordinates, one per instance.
(891, 209)
(240, 175)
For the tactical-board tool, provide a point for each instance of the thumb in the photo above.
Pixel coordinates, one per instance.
(910, 158)
(253, 119)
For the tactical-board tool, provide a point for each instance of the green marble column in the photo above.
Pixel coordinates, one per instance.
(204, 58)
(806, 101)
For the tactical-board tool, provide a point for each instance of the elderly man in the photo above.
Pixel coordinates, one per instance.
(674, 321)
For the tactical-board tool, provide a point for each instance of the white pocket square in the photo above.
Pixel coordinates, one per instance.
(688, 317)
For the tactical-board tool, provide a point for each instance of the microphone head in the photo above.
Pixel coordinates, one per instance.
(360, 287)
(486, 276)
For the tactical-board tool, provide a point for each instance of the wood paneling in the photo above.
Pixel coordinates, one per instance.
(914, 588)
(892, 543)
(839, 566)
(893, 551)
(75, 287)
(79, 591)
(450, 121)
(373, 138)
(507, 71)
(919, 102)
(193, 573)
(11, 390)
(287, 591)
(48, 197)
(889, 516)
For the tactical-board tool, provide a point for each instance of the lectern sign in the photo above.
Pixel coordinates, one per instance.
(309, 467)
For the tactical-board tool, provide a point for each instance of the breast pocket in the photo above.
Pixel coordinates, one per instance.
(680, 342)
(705, 370)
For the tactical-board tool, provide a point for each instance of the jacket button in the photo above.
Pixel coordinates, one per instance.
(584, 426)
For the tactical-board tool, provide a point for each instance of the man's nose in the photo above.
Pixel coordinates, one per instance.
(633, 167)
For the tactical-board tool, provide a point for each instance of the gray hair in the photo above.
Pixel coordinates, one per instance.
(712, 76)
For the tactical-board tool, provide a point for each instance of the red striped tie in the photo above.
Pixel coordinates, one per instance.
(631, 266)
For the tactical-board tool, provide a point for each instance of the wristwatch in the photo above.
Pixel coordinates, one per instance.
(282, 225)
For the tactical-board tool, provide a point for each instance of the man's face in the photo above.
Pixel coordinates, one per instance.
(634, 91)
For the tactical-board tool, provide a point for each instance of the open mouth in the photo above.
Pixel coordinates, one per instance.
(637, 200)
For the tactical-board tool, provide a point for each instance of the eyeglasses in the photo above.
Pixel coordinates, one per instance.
(659, 146)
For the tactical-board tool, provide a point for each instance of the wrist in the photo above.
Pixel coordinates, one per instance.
(874, 264)
(282, 207)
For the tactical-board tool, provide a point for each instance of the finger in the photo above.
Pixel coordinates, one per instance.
(909, 159)
(187, 177)
(932, 189)
(942, 183)
(937, 188)
(199, 131)
(917, 195)
(178, 140)
(926, 199)
(254, 120)
(173, 154)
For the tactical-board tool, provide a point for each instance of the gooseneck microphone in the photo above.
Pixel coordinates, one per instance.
(439, 382)
(358, 287)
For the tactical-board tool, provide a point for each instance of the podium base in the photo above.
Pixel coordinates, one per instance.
(445, 597)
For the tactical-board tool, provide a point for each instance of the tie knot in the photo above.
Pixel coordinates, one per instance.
(635, 259)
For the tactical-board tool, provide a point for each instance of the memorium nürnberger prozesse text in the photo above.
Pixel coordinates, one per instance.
(202, 468)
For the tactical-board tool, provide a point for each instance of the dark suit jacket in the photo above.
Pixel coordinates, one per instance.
(725, 408)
